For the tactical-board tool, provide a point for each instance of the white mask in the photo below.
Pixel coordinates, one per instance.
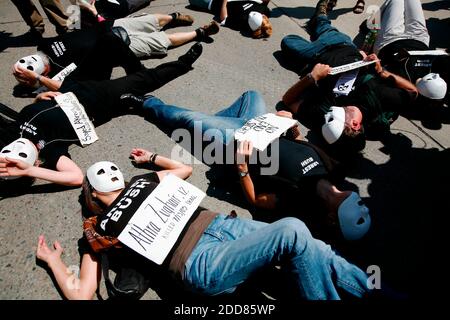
(354, 218)
(432, 86)
(334, 124)
(21, 149)
(255, 20)
(105, 176)
(34, 63)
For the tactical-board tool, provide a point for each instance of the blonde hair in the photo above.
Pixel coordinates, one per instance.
(265, 30)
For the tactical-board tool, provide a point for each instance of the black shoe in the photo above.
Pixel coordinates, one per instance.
(180, 20)
(192, 55)
(132, 102)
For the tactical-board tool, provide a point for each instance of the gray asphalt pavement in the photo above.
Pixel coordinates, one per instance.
(388, 176)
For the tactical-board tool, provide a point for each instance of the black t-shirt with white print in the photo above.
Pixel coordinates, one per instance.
(238, 12)
(115, 219)
(299, 166)
(69, 48)
(47, 126)
(412, 67)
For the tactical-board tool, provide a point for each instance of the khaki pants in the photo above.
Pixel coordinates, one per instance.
(52, 8)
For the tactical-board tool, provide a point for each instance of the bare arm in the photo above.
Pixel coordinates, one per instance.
(179, 169)
(73, 288)
(67, 172)
(52, 85)
(223, 11)
(292, 96)
(263, 200)
(400, 82)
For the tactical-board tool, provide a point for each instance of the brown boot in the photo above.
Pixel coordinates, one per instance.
(322, 7)
(207, 30)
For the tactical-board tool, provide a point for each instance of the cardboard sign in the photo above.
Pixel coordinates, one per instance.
(345, 83)
(78, 118)
(350, 66)
(428, 53)
(264, 129)
(160, 219)
(60, 76)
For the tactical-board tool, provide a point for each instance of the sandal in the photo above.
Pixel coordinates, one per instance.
(331, 5)
(359, 7)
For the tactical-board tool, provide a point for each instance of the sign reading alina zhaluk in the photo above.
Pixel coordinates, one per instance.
(158, 222)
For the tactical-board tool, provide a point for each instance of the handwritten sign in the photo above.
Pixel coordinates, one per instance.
(438, 52)
(350, 66)
(78, 118)
(262, 130)
(160, 219)
(345, 83)
(60, 76)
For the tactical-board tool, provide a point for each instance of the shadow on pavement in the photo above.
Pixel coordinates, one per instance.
(408, 200)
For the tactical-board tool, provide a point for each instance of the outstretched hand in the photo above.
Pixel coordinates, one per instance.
(13, 167)
(140, 155)
(47, 254)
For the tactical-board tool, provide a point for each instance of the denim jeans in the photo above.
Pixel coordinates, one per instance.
(323, 36)
(401, 19)
(232, 249)
(247, 106)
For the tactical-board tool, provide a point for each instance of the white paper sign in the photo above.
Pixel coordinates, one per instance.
(350, 66)
(345, 83)
(428, 53)
(77, 116)
(60, 76)
(159, 221)
(262, 130)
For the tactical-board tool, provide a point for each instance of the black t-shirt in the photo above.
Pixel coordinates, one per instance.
(49, 129)
(336, 56)
(299, 168)
(411, 67)
(69, 48)
(238, 12)
(115, 219)
(377, 98)
(94, 51)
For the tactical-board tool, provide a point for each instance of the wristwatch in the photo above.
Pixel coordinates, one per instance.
(243, 174)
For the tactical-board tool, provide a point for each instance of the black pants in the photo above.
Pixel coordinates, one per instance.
(101, 99)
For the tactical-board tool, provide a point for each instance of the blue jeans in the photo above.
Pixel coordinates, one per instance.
(247, 106)
(323, 37)
(232, 249)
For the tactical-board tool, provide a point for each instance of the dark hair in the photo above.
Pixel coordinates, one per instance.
(94, 206)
